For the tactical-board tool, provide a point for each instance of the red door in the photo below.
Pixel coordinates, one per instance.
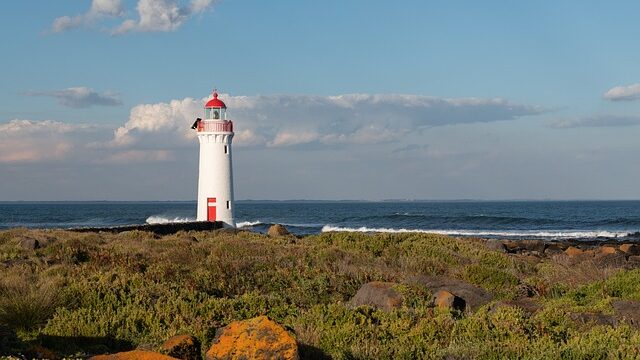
(211, 209)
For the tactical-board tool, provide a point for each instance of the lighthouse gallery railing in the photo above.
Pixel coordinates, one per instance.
(215, 126)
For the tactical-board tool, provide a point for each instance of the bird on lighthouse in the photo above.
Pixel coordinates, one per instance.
(215, 177)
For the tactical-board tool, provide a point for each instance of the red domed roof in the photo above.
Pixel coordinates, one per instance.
(215, 102)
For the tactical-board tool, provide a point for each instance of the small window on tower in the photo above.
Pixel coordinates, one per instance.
(228, 204)
(226, 149)
(216, 114)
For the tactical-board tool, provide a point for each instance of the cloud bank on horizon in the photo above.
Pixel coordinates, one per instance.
(152, 15)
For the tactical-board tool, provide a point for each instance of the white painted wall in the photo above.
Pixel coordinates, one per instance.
(216, 176)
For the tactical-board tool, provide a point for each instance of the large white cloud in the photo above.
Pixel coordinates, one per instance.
(162, 15)
(98, 10)
(623, 93)
(285, 120)
(80, 97)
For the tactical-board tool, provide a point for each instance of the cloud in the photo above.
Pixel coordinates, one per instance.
(33, 141)
(287, 120)
(161, 15)
(80, 97)
(596, 121)
(623, 93)
(99, 9)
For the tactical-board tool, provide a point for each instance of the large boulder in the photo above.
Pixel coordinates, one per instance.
(133, 355)
(29, 243)
(473, 296)
(446, 300)
(277, 230)
(380, 294)
(184, 347)
(257, 338)
(495, 245)
(630, 249)
(628, 311)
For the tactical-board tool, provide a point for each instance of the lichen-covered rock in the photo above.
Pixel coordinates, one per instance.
(29, 243)
(257, 338)
(573, 251)
(473, 296)
(630, 249)
(133, 355)
(380, 294)
(446, 300)
(277, 230)
(184, 347)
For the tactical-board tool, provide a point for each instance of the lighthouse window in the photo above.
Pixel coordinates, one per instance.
(216, 114)
(228, 204)
(226, 149)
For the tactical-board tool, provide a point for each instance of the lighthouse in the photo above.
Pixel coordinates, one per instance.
(215, 180)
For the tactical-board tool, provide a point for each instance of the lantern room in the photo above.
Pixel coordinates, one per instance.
(215, 109)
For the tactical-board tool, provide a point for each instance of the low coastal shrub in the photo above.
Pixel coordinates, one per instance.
(100, 292)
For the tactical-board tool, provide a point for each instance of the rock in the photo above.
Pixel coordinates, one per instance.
(40, 352)
(446, 300)
(607, 250)
(533, 245)
(511, 245)
(594, 318)
(628, 311)
(630, 249)
(473, 296)
(185, 347)
(553, 249)
(133, 355)
(379, 294)
(257, 338)
(573, 251)
(277, 230)
(29, 243)
(496, 245)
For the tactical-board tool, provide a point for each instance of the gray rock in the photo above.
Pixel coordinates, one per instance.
(29, 243)
(379, 294)
(496, 245)
(473, 296)
(627, 311)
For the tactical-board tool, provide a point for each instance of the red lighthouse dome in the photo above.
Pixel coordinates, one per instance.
(215, 102)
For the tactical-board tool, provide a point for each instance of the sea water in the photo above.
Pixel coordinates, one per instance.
(499, 219)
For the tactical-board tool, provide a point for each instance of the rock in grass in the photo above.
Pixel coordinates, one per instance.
(257, 338)
(630, 249)
(277, 230)
(133, 355)
(380, 294)
(446, 300)
(573, 251)
(473, 296)
(496, 245)
(627, 311)
(29, 243)
(184, 347)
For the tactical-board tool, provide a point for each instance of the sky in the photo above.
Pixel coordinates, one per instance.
(359, 100)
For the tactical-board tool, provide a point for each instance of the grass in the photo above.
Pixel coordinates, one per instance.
(98, 292)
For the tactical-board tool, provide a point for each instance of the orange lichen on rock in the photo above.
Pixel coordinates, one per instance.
(184, 347)
(257, 338)
(133, 355)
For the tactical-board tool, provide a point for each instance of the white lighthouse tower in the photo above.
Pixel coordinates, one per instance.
(215, 181)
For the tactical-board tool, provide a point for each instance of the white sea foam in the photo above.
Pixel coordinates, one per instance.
(559, 234)
(158, 219)
(248, 223)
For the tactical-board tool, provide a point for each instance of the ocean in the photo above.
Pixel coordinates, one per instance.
(495, 219)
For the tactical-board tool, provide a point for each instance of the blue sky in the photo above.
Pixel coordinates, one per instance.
(331, 100)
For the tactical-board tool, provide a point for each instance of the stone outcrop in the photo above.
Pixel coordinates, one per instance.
(381, 295)
(257, 338)
(446, 300)
(630, 249)
(473, 296)
(29, 243)
(277, 230)
(627, 311)
(133, 355)
(184, 347)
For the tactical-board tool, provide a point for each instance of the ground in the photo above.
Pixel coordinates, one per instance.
(79, 294)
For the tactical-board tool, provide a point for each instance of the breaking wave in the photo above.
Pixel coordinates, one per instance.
(158, 219)
(559, 234)
(248, 223)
